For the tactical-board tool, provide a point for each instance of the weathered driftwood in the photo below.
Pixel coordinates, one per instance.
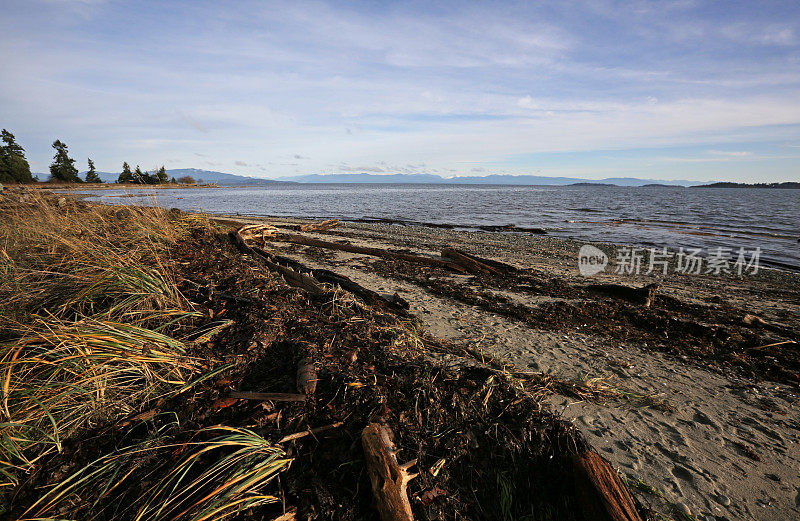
(275, 397)
(389, 479)
(469, 263)
(600, 492)
(644, 295)
(309, 432)
(774, 344)
(306, 376)
(395, 303)
(753, 320)
(320, 226)
(260, 232)
(291, 277)
(295, 275)
(375, 252)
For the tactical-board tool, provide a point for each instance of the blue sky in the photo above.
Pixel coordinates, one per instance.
(663, 89)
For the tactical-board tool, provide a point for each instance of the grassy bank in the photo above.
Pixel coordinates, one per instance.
(126, 333)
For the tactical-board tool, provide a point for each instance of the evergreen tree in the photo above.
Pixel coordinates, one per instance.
(161, 174)
(126, 176)
(173, 181)
(63, 167)
(14, 168)
(138, 176)
(91, 175)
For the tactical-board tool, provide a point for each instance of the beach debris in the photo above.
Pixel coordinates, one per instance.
(320, 226)
(747, 450)
(295, 274)
(389, 479)
(258, 232)
(375, 252)
(644, 295)
(601, 491)
(753, 320)
(774, 344)
(306, 376)
(309, 432)
(293, 278)
(289, 515)
(275, 397)
(468, 262)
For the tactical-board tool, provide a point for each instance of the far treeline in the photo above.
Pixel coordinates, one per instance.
(14, 167)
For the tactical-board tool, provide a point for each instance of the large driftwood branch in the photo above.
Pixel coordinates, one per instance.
(389, 479)
(644, 295)
(375, 252)
(601, 493)
(293, 278)
(320, 226)
(469, 263)
(484, 265)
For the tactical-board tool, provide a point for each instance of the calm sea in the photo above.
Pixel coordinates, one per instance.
(648, 216)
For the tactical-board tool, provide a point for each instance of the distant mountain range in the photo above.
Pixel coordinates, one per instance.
(225, 179)
(494, 179)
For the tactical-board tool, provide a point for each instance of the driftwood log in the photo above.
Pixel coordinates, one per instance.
(320, 226)
(389, 479)
(472, 263)
(293, 278)
(294, 273)
(600, 491)
(260, 232)
(644, 295)
(375, 252)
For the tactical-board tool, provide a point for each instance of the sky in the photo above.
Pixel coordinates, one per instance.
(665, 89)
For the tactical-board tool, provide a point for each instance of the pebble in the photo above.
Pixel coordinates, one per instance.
(723, 500)
(683, 509)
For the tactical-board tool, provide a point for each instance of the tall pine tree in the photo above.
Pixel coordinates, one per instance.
(14, 168)
(91, 174)
(126, 176)
(138, 176)
(161, 174)
(63, 167)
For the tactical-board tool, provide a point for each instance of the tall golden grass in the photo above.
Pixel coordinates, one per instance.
(93, 327)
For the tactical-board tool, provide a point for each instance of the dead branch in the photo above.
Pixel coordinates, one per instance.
(389, 479)
(316, 430)
(600, 491)
(776, 344)
(275, 397)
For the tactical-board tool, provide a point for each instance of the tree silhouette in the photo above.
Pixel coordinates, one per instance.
(126, 176)
(63, 167)
(13, 165)
(91, 174)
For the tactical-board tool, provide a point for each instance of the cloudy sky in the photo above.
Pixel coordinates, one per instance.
(663, 89)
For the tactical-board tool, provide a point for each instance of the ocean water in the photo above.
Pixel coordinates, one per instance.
(659, 217)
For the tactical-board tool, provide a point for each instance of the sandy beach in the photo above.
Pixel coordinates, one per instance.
(726, 442)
